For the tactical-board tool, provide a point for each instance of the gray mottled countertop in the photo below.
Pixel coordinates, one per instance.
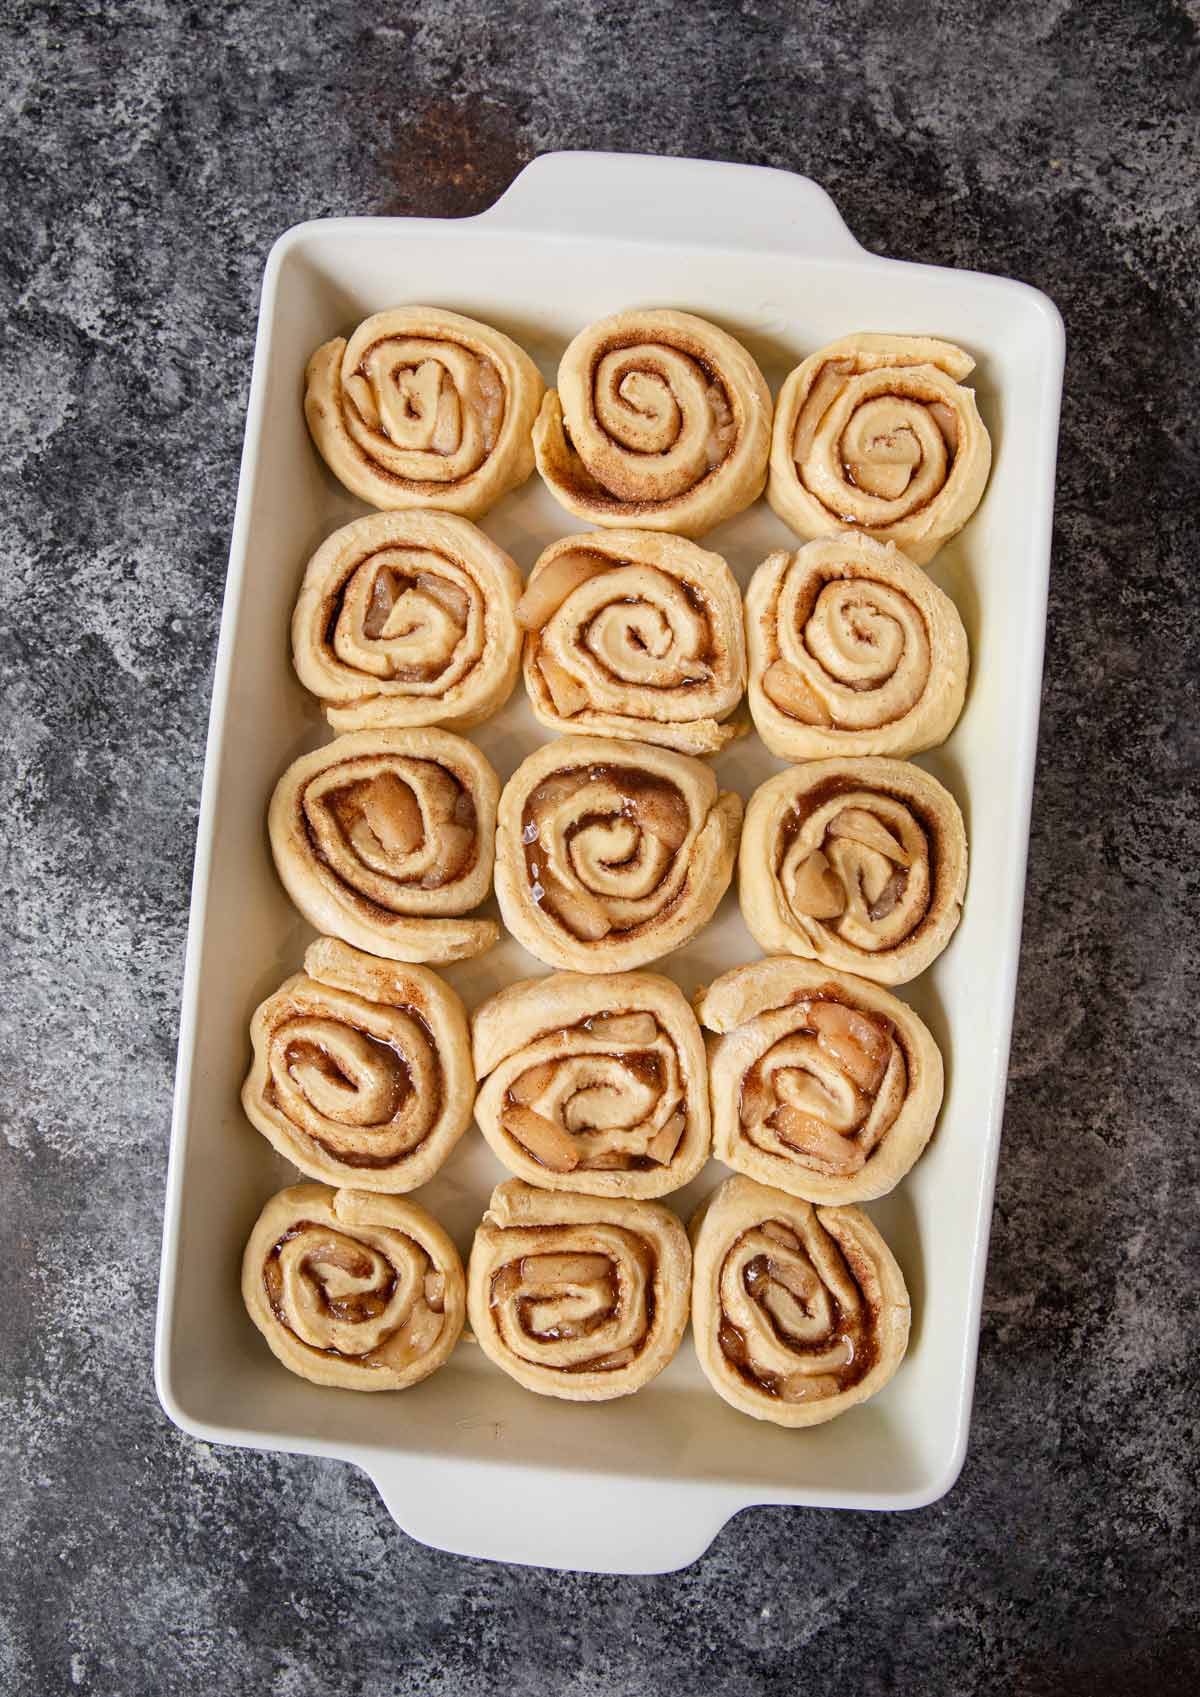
(149, 154)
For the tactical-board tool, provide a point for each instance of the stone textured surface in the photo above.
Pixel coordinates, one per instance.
(149, 152)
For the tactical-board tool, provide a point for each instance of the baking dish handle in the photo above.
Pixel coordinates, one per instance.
(587, 1523)
(644, 197)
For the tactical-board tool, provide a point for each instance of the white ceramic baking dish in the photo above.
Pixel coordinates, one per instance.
(468, 1461)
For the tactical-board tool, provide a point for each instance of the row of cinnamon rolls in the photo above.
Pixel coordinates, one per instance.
(417, 618)
(818, 1089)
(366, 1073)
(609, 854)
(798, 1313)
(660, 419)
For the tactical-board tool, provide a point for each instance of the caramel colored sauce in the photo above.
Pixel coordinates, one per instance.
(643, 793)
(366, 1305)
(855, 1331)
(512, 1276)
(643, 1064)
(345, 806)
(365, 1159)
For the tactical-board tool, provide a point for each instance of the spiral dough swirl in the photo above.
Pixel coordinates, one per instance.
(424, 408)
(861, 864)
(408, 619)
(878, 433)
(382, 834)
(577, 1297)
(660, 419)
(610, 854)
(593, 1085)
(361, 1070)
(798, 1313)
(821, 1084)
(852, 651)
(632, 634)
(351, 1289)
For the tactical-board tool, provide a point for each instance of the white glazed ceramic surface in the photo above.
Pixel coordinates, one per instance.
(468, 1461)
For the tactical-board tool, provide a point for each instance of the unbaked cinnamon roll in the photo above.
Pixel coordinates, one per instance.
(408, 619)
(798, 1313)
(362, 1070)
(384, 837)
(878, 433)
(823, 1085)
(610, 854)
(424, 408)
(351, 1289)
(634, 634)
(660, 420)
(853, 650)
(597, 1085)
(575, 1296)
(861, 864)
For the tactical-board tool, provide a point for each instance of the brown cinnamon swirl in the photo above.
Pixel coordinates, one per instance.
(660, 420)
(823, 1085)
(596, 1085)
(877, 433)
(610, 854)
(798, 1313)
(424, 408)
(408, 619)
(853, 650)
(384, 837)
(362, 1070)
(578, 1297)
(634, 634)
(349, 1289)
(861, 864)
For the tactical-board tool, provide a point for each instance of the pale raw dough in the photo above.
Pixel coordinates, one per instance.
(861, 864)
(606, 1077)
(381, 836)
(853, 650)
(637, 634)
(633, 845)
(579, 1297)
(424, 408)
(660, 420)
(408, 619)
(789, 1301)
(362, 1070)
(823, 1085)
(878, 432)
(351, 1289)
